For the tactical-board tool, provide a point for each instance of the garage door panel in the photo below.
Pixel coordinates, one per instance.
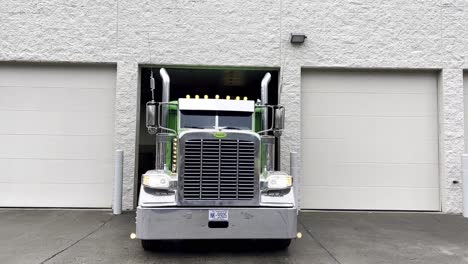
(34, 171)
(56, 195)
(55, 99)
(384, 105)
(330, 151)
(56, 123)
(325, 127)
(56, 147)
(335, 86)
(369, 135)
(382, 198)
(366, 82)
(375, 150)
(371, 174)
(38, 77)
(364, 150)
(333, 127)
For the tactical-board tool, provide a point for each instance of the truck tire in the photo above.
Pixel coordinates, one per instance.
(281, 244)
(151, 245)
(275, 244)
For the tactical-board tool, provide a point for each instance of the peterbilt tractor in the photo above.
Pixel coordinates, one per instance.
(214, 175)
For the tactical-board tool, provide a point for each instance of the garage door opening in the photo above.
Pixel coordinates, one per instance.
(231, 82)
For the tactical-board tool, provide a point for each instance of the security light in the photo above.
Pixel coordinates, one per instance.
(297, 38)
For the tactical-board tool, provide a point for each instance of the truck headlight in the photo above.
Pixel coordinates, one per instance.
(277, 180)
(157, 180)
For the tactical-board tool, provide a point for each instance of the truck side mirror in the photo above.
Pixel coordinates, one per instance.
(279, 118)
(151, 117)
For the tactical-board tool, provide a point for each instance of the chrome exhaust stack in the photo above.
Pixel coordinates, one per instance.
(277, 127)
(165, 95)
(264, 97)
(164, 140)
(268, 142)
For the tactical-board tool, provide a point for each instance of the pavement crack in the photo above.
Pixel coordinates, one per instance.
(318, 242)
(78, 241)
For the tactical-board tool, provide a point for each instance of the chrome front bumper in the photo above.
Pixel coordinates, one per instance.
(192, 223)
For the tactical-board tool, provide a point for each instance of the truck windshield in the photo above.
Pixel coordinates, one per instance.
(235, 120)
(214, 119)
(197, 119)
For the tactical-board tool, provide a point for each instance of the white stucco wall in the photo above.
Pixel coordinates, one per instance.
(400, 34)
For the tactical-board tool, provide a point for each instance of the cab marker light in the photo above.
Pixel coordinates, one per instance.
(187, 96)
(237, 97)
(217, 96)
(197, 96)
(206, 96)
(245, 98)
(228, 97)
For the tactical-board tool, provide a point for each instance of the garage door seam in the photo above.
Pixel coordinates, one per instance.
(318, 242)
(78, 241)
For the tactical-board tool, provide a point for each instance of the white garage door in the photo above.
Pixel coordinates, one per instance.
(370, 140)
(56, 135)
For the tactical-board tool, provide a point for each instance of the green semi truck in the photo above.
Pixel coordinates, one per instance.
(214, 175)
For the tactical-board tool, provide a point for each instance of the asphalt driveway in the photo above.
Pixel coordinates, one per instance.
(74, 236)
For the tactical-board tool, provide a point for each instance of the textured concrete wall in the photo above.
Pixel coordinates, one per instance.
(401, 34)
(451, 138)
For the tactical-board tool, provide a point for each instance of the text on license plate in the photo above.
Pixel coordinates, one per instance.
(218, 215)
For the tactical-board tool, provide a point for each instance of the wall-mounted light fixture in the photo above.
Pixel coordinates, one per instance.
(297, 38)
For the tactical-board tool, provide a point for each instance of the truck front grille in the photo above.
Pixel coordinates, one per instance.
(219, 169)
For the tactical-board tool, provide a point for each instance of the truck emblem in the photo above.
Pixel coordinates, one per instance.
(219, 134)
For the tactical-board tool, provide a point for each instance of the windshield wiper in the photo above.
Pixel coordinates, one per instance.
(221, 127)
(228, 127)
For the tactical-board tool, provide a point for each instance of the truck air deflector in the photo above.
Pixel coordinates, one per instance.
(217, 105)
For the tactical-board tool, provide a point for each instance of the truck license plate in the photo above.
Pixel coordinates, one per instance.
(218, 215)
